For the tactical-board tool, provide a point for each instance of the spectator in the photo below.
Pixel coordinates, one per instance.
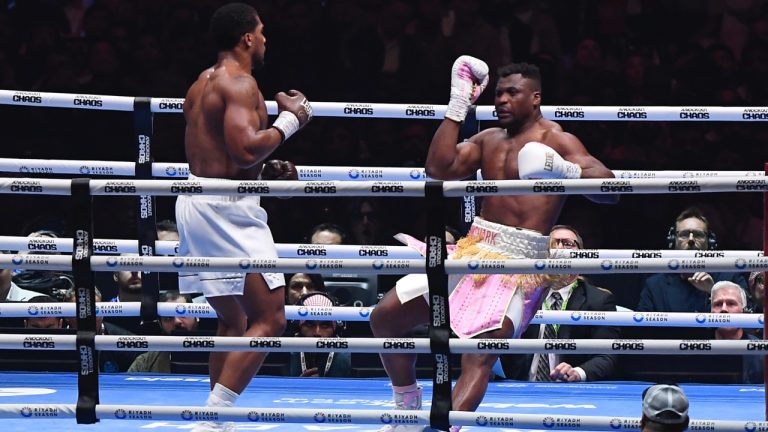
(328, 234)
(160, 361)
(320, 364)
(43, 322)
(109, 361)
(757, 290)
(301, 284)
(579, 295)
(665, 409)
(129, 286)
(685, 292)
(727, 297)
(9, 291)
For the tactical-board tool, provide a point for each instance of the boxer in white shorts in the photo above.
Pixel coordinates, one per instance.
(228, 136)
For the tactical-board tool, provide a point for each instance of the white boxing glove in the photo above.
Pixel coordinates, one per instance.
(540, 161)
(469, 76)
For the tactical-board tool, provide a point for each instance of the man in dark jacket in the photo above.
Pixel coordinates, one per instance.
(578, 296)
(686, 292)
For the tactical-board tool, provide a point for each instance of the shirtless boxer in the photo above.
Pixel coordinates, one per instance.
(524, 146)
(227, 137)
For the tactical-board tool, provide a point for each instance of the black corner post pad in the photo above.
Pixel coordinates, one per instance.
(439, 323)
(470, 125)
(82, 250)
(147, 226)
(88, 378)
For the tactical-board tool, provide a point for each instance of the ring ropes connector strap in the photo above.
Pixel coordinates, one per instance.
(85, 341)
(439, 319)
(147, 224)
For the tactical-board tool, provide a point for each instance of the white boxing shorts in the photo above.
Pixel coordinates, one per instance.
(223, 226)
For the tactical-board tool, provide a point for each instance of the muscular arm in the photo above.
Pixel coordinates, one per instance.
(246, 141)
(574, 151)
(448, 160)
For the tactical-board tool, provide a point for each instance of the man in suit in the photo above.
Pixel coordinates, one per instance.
(577, 296)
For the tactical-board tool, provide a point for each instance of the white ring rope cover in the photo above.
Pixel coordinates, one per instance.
(40, 186)
(319, 313)
(322, 417)
(303, 250)
(387, 266)
(44, 342)
(407, 111)
(307, 173)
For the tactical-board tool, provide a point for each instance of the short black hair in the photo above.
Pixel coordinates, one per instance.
(230, 22)
(526, 70)
(167, 225)
(330, 227)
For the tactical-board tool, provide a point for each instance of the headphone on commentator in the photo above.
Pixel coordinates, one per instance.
(308, 300)
(672, 238)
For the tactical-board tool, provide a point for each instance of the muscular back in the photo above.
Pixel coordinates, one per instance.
(223, 103)
(499, 162)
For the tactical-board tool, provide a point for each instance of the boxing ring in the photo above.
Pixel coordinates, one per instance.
(128, 402)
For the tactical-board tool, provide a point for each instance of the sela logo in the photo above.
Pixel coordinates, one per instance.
(638, 317)
(473, 264)
(26, 411)
(186, 415)
(120, 414)
(178, 262)
(615, 424)
(84, 170)
(364, 312)
(244, 264)
(548, 422)
(181, 309)
(17, 259)
(33, 310)
(740, 263)
(701, 318)
(673, 264)
(303, 311)
(386, 418)
(253, 416)
(417, 174)
(354, 173)
(575, 316)
(311, 264)
(540, 265)
(481, 420)
(378, 264)
(319, 417)
(606, 265)
(170, 170)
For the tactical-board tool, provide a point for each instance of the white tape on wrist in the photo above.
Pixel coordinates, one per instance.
(457, 109)
(287, 123)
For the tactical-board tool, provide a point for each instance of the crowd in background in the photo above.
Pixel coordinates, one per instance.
(591, 52)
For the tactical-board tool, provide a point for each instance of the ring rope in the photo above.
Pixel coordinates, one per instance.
(329, 417)
(387, 266)
(303, 250)
(40, 186)
(408, 111)
(355, 313)
(45, 342)
(308, 173)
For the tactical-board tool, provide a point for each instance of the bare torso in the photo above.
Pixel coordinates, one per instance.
(499, 162)
(204, 109)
